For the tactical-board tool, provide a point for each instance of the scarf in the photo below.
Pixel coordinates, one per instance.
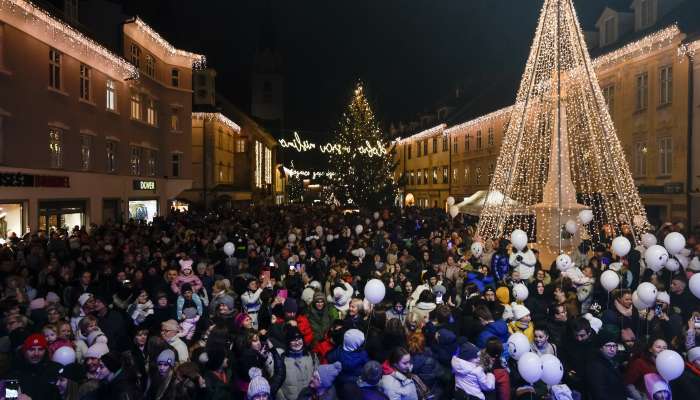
(626, 312)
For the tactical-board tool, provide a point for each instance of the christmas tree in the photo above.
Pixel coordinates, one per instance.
(363, 165)
(560, 153)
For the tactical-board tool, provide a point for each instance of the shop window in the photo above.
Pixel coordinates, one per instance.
(11, 216)
(143, 210)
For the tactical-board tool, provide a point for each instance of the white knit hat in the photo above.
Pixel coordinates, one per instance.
(353, 339)
(519, 311)
(258, 384)
(97, 350)
(84, 298)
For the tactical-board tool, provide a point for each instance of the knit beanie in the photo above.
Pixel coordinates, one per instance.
(503, 295)
(328, 373)
(290, 306)
(228, 300)
(167, 356)
(353, 339)
(36, 339)
(372, 372)
(319, 296)
(293, 333)
(186, 265)
(258, 384)
(189, 312)
(52, 297)
(97, 350)
(84, 298)
(655, 383)
(112, 361)
(607, 335)
(519, 311)
(467, 351)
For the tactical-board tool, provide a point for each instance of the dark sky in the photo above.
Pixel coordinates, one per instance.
(410, 53)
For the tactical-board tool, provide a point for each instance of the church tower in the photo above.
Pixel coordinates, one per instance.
(267, 83)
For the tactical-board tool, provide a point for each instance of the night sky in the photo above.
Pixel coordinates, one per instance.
(410, 53)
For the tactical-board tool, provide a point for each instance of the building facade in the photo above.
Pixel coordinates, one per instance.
(88, 135)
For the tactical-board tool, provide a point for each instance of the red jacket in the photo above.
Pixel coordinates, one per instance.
(322, 349)
(502, 383)
(305, 328)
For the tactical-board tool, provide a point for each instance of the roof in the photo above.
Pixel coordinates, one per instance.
(229, 109)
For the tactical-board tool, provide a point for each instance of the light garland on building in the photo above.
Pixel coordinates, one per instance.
(478, 121)
(559, 73)
(430, 132)
(689, 50)
(302, 145)
(156, 38)
(645, 45)
(207, 116)
(35, 21)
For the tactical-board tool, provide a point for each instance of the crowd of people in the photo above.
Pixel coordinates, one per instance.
(269, 303)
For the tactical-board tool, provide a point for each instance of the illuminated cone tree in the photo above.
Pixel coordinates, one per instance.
(363, 169)
(560, 153)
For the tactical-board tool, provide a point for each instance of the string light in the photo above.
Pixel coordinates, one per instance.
(301, 145)
(308, 174)
(32, 19)
(208, 116)
(644, 45)
(560, 109)
(169, 49)
(457, 129)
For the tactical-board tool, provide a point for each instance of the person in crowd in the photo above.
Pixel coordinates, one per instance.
(396, 383)
(603, 377)
(522, 322)
(350, 355)
(319, 317)
(322, 385)
(470, 378)
(540, 343)
(299, 365)
(642, 364)
(491, 327)
(170, 331)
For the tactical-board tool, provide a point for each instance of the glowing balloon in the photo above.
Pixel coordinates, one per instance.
(638, 303)
(518, 345)
(530, 367)
(609, 280)
(655, 257)
(672, 265)
(564, 262)
(450, 201)
(358, 229)
(375, 291)
(229, 249)
(669, 364)
(64, 355)
(380, 224)
(376, 215)
(571, 226)
(520, 292)
(477, 249)
(674, 242)
(647, 292)
(621, 246)
(552, 370)
(291, 238)
(454, 210)
(694, 284)
(648, 240)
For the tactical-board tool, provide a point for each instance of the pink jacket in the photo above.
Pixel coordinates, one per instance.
(182, 279)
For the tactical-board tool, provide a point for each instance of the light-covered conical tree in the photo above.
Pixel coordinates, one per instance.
(363, 164)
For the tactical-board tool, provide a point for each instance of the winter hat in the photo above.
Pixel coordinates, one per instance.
(467, 351)
(84, 298)
(166, 356)
(97, 350)
(519, 311)
(608, 334)
(37, 304)
(307, 295)
(319, 296)
(694, 354)
(328, 372)
(258, 384)
(290, 306)
(439, 289)
(238, 320)
(186, 287)
(228, 300)
(316, 285)
(663, 297)
(503, 295)
(596, 323)
(654, 384)
(189, 312)
(36, 339)
(186, 265)
(52, 297)
(293, 333)
(112, 361)
(353, 339)
(372, 372)
(96, 336)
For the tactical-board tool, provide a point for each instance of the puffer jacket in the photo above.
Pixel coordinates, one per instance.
(352, 362)
(471, 378)
(427, 368)
(320, 322)
(526, 265)
(298, 374)
(397, 386)
(445, 346)
(498, 329)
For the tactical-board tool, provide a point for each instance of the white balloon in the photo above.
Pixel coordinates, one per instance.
(450, 201)
(291, 238)
(564, 262)
(518, 345)
(655, 257)
(530, 367)
(672, 265)
(358, 229)
(520, 292)
(647, 292)
(648, 240)
(571, 226)
(454, 210)
(552, 370)
(674, 242)
(621, 246)
(375, 291)
(229, 249)
(329, 238)
(376, 215)
(669, 364)
(319, 230)
(477, 249)
(694, 284)
(609, 280)
(519, 239)
(638, 303)
(380, 224)
(64, 355)
(585, 216)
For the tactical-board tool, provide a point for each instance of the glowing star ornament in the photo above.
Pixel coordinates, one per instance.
(560, 158)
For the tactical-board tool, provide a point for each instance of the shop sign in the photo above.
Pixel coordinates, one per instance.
(144, 184)
(27, 180)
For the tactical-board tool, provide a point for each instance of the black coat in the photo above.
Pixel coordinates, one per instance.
(33, 379)
(687, 386)
(117, 329)
(603, 379)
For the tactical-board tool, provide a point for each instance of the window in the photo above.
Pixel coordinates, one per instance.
(609, 95)
(455, 147)
(418, 147)
(666, 91)
(55, 69)
(240, 145)
(445, 174)
(258, 164)
(151, 113)
(150, 66)
(478, 140)
(176, 165)
(640, 159)
(268, 166)
(467, 139)
(466, 176)
(111, 100)
(445, 143)
(409, 147)
(175, 77)
(425, 176)
(85, 72)
(411, 178)
(135, 55)
(175, 120)
(2, 41)
(135, 160)
(152, 163)
(478, 175)
(489, 138)
(111, 148)
(136, 106)
(491, 168)
(609, 34)
(435, 175)
(435, 147)
(56, 147)
(647, 14)
(665, 156)
(85, 151)
(454, 175)
(425, 147)
(642, 91)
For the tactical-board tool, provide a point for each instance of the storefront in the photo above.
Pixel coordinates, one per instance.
(112, 210)
(12, 219)
(145, 208)
(66, 214)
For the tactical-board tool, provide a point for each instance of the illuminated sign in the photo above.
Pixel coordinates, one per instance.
(144, 185)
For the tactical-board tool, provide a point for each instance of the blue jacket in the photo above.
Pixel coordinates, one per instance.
(352, 362)
(427, 368)
(497, 329)
(479, 280)
(445, 347)
(500, 266)
(181, 302)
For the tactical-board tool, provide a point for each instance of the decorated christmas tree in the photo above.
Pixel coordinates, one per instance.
(362, 165)
(560, 153)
